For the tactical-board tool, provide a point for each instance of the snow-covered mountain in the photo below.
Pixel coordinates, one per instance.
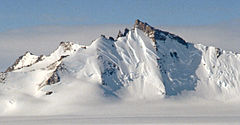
(142, 62)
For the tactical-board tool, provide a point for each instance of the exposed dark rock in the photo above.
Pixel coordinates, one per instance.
(119, 34)
(84, 47)
(156, 34)
(143, 26)
(126, 30)
(55, 77)
(103, 36)
(55, 64)
(3, 77)
(49, 93)
(40, 58)
(111, 38)
(174, 54)
(63, 57)
(218, 52)
(66, 45)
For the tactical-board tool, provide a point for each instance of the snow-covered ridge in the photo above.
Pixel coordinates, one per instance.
(141, 63)
(24, 61)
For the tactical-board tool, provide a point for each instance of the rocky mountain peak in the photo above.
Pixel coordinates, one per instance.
(144, 27)
(156, 34)
(67, 46)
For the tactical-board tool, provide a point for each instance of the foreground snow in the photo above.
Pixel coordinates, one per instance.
(167, 112)
(144, 120)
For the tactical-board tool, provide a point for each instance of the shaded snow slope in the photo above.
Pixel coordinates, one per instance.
(142, 63)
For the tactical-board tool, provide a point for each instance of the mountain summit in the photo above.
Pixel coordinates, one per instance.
(143, 62)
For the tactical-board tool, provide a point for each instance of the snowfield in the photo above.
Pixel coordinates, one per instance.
(144, 76)
(167, 112)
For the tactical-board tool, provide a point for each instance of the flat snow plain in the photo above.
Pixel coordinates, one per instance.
(163, 112)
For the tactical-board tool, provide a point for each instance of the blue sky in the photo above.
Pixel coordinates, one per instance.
(16, 14)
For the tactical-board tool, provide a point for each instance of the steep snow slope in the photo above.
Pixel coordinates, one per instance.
(141, 63)
(218, 73)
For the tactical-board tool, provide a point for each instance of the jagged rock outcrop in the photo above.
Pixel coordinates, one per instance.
(120, 34)
(126, 30)
(156, 34)
(67, 46)
(40, 58)
(55, 77)
(111, 38)
(57, 68)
